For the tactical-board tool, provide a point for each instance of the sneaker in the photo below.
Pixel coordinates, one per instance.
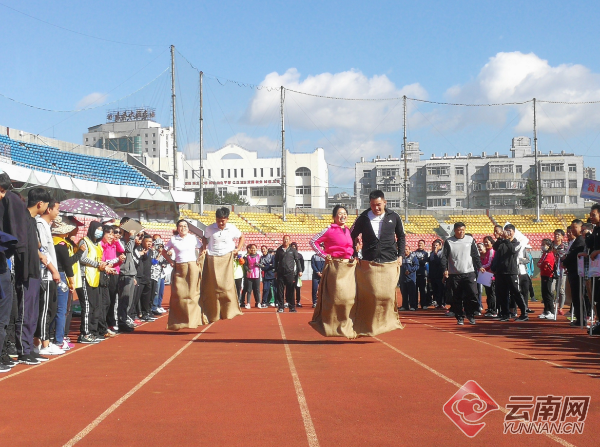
(402, 309)
(424, 307)
(156, 312)
(137, 322)
(504, 319)
(449, 314)
(146, 318)
(124, 328)
(533, 299)
(560, 313)
(460, 321)
(7, 360)
(488, 314)
(110, 333)
(595, 330)
(86, 339)
(162, 310)
(477, 313)
(280, 310)
(523, 318)
(11, 349)
(411, 309)
(314, 305)
(472, 320)
(36, 349)
(65, 346)
(5, 368)
(272, 305)
(247, 306)
(28, 359)
(513, 315)
(299, 305)
(550, 316)
(99, 337)
(51, 350)
(40, 358)
(543, 315)
(528, 311)
(293, 310)
(285, 305)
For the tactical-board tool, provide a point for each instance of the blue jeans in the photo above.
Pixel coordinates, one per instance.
(61, 311)
(315, 288)
(158, 295)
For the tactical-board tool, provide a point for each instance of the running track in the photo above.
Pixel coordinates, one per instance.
(269, 379)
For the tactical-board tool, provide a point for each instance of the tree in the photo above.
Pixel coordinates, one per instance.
(530, 194)
(228, 199)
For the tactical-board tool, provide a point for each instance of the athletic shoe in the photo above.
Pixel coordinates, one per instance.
(543, 315)
(272, 305)
(533, 299)
(411, 309)
(110, 332)
(137, 322)
(247, 306)
(596, 330)
(477, 313)
(28, 359)
(550, 316)
(51, 350)
(86, 339)
(100, 337)
(513, 315)
(146, 318)
(424, 307)
(156, 312)
(124, 328)
(64, 346)
(440, 307)
(504, 319)
(36, 349)
(299, 305)
(11, 349)
(472, 320)
(285, 305)
(523, 318)
(460, 321)
(449, 314)
(528, 311)
(314, 305)
(5, 368)
(293, 310)
(280, 310)
(402, 309)
(560, 313)
(7, 360)
(489, 314)
(40, 358)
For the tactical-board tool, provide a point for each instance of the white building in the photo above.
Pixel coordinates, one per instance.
(233, 169)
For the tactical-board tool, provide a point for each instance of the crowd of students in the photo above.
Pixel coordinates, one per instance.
(448, 274)
(117, 276)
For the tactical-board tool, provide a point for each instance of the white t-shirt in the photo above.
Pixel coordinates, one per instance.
(376, 222)
(184, 248)
(47, 243)
(220, 242)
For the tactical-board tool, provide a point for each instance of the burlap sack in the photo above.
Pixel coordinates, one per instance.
(334, 313)
(184, 310)
(376, 309)
(218, 296)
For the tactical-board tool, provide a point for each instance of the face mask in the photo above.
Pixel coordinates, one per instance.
(98, 233)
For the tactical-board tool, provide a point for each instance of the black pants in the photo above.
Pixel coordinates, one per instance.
(422, 289)
(315, 289)
(69, 315)
(464, 294)
(490, 293)
(524, 287)
(238, 288)
(548, 294)
(113, 302)
(89, 298)
(48, 307)
(575, 297)
(437, 286)
(531, 292)
(507, 288)
(251, 285)
(126, 290)
(286, 287)
(267, 293)
(145, 296)
(6, 301)
(297, 290)
(28, 297)
(409, 294)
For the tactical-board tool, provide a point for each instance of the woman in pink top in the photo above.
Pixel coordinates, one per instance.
(252, 280)
(113, 256)
(334, 312)
(486, 262)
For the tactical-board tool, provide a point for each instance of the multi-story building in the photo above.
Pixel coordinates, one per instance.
(472, 181)
(233, 169)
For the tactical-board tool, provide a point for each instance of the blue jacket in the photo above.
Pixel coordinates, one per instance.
(317, 263)
(423, 258)
(410, 264)
(266, 265)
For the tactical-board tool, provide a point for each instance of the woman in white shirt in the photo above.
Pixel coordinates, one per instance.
(184, 309)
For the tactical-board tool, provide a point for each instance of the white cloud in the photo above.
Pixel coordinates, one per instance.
(93, 99)
(312, 113)
(262, 145)
(516, 77)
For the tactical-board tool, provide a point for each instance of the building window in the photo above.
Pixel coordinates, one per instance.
(572, 168)
(553, 200)
(555, 183)
(235, 173)
(278, 172)
(228, 174)
(303, 205)
(437, 170)
(222, 174)
(241, 172)
(572, 199)
(262, 173)
(146, 142)
(271, 172)
(146, 135)
(459, 202)
(552, 167)
(460, 187)
(154, 134)
(388, 172)
(519, 169)
(186, 174)
(477, 186)
(255, 172)
(442, 202)
(222, 191)
(86, 139)
(154, 142)
(303, 189)
(303, 172)
(275, 191)
(572, 183)
(366, 173)
(259, 192)
(501, 169)
(393, 204)
(459, 171)
(438, 186)
(243, 191)
(209, 173)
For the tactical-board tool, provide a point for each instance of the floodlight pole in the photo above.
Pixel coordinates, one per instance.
(283, 157)
(201, 173)
(174, 115)
(537, 167)
(405, 167)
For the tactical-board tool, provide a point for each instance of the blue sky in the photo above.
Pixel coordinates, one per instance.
(443, 51)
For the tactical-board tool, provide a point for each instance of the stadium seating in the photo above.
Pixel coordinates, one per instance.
(535, 231)
(48, 159)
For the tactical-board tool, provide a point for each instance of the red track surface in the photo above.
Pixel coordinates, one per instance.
(233, 384)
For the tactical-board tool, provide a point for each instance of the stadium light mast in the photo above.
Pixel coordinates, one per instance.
(201, 168)
(174, 115)
(283, 161)
(537, 167)
(405, 167)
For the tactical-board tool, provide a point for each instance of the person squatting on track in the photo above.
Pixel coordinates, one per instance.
(461, 262)
(218, 296)
(181, 252)
(381, 233)
(336, 295)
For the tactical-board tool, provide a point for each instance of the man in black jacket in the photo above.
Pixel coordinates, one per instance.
(570, 264)
(592, 243)
(287, 267)
(506, 270)
(382, 231)
(423, 257)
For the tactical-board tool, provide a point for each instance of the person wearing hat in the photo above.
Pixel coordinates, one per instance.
(67, 256)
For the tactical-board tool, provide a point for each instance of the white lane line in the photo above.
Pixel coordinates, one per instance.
(311, 434)
(591, 375)
(55, 358)
(451, 381)
(124, 398)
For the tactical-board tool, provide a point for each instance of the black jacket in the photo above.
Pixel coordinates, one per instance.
(284, 263)
(435, 265)
(506, 257)
(592, 240)
(266, 265)
(570, 261)
(423, 258)
(390, 244)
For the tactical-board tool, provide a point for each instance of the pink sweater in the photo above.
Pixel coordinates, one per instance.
(111, 252)
(252, 268)
(337, 242)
